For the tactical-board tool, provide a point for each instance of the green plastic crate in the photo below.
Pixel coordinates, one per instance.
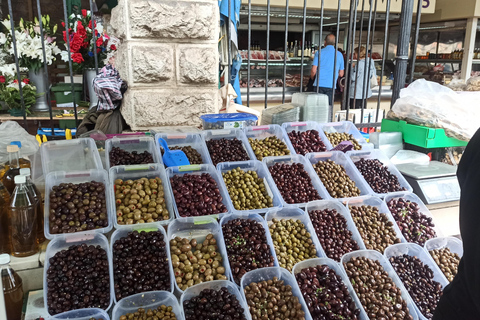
(421, 136)
(63, 92)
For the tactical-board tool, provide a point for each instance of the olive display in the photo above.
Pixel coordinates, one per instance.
(197, 195)
(336, 180)
(77, 278)
(306, 141)
(226, 150)
(374, 227)
(377, 292)
(160, 313)
(247, 190)
(247, 247)
(140, 201)
(325, 294)
(416, 227)
(332, 232)
(120, 157)
(417, 278)
(336, 138)
(268, 147)
(272, 299)
(194, 157)
(77, 207)
(447, 261)
(140, 263)
(213, 304)
(292, 242)
(294, 183)
(378, 177)
(194, 262)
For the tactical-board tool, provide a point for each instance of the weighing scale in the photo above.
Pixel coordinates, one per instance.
(433, 183)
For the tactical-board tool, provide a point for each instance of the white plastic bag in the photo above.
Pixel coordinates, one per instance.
(409, 156)
(12, 131)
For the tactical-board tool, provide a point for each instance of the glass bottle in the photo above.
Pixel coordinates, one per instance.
(299, 52)
(295, 49)
(5, 241)
(38, 200)
(23, 220)
(13, 168)
(12, 289)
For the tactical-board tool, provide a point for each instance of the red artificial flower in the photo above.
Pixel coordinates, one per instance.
(2, 79)
(76, 43)
(26, 81)
(90, 24)
(113, 47)
(77, 58)
(99, 42)
(81, 30)
(63, 24)
(15, 81)
(84, 13)
(99, 50)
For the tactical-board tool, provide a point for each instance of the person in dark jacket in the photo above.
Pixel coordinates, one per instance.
(461, 298)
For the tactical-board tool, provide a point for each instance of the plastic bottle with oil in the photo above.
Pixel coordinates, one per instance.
(13, 168)
(38, 203)
(5, 242)
(12, 286)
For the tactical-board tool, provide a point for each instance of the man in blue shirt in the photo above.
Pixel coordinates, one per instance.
(325, 74)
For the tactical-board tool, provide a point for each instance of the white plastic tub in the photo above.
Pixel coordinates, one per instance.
(273, 130)
(215, 285)
(130, 144)
(123, 232)
(302, 127)
(265, 274)
(343, 211)
(345, 127)
(193, 140)
(139, 171)
(412, 249)
(339, 158)
(338, 270)
(58, 177)
(63, 242)
(198, 229)
(454, 244)
(375, 255)
(262, 172)
(147, 300)
(82, 314)
(228, 134)
(378, 154)
(317, 184)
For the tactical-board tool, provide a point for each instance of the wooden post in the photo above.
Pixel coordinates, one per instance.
(469, 46)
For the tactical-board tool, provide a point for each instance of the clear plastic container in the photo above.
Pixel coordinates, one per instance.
(317, 184)
(280, 114)
(412, 249)
(375, 255)
(198, 170)
(82, 314)
(70, 155)
(198, 229)
(345, 127)
(338, 270)
(193, 140)
(377, 154)
(455, 245)
(228, 120)
(380, 205)
(259, 219)
(123, 232)
(343, 211)
(56, 178)
(315, 108)
(385, 138)
(414, 198)
(302, 127)
(139, 171)
(229, 135)
(63, 242)
(262, 173)
(273, 130)
(138, 143)
(147, 300)
(216, 285)
(339, 158)
(282, 274)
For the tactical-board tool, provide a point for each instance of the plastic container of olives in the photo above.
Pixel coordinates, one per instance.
(345, 127)
(262, 172)
(414, 198)
(304, 126)
(147, 300)
(339, 158)
(338, 270)
(63, 242)
(198, 229)
(259, 219)
(193, 140)
(379, 155)
(455, 245)
(135, 172)
(229, 134)
(82, 314)
(375, 255)
(266, 274)
(343, 211)
(124, 231)
(272, 130)
(139, 144)
(198, 170)
(317, 184)
(216, 285)
(413, 249)
(58, 177)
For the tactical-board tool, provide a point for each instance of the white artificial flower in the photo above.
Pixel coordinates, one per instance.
(7, 24)
(99, 28)
(64, 56)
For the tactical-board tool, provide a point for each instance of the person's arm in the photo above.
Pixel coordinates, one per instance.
(313, 72)
(341, 73)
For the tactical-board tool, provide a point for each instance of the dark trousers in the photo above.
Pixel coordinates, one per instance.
(323, 90)
(358, 104)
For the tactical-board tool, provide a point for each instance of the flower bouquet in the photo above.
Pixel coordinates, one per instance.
(10, 91)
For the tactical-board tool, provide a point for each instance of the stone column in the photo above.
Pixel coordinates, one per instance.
(169, 56)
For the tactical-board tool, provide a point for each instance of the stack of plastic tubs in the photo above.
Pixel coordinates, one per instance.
(389, 142)
(193, 140)
(288, 112)
(139, 144)
(314, 106)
